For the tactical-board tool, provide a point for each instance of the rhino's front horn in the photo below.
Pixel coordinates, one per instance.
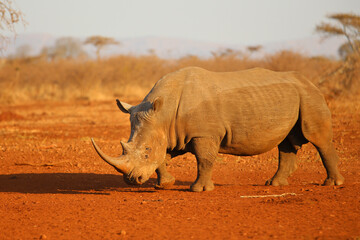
(118, 163)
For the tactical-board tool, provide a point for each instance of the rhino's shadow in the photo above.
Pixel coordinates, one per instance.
(70, 183)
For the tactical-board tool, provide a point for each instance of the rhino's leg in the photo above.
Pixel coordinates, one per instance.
(330, 159)
(205, 150)
(287, 164)
(164, 178)
(320, 134)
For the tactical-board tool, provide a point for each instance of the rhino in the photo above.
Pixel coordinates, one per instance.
(242, 113)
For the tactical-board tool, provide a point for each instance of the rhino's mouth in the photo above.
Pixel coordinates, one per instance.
(134, 179)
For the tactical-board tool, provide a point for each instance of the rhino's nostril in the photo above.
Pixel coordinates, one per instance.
(139, 179)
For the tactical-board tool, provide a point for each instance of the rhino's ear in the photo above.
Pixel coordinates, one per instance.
(157, 104)
(124, 107)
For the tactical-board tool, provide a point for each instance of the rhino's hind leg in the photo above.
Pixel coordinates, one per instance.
(287, 164)
(330, 159)
(320, 134)
(205, 150)
(164, 178)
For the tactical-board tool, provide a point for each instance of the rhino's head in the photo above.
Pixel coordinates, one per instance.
(145, 150)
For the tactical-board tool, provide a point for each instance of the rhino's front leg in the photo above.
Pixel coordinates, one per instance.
(205, 150)
(164, 178)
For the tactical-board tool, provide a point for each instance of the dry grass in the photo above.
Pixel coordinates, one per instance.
(37, 79)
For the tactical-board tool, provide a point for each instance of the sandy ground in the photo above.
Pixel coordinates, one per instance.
(54, 186)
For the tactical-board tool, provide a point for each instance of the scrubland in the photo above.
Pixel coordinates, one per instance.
(39, 79)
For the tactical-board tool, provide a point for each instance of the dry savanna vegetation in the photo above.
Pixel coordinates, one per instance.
(33, 79)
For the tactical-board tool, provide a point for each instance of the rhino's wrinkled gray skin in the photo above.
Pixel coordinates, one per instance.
(241, 113)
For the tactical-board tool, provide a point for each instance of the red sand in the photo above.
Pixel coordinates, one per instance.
(53, 185)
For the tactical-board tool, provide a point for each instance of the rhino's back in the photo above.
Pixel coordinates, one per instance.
(196, 80)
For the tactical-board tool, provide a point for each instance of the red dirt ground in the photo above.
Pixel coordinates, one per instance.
(53, 185)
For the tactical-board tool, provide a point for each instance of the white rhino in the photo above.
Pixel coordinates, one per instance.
(241, 113)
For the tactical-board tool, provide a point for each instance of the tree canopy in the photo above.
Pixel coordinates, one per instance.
(100, 42)
(346, 24)
(9, 17)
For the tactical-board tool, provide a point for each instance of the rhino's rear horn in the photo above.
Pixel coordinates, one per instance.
(125, 147)
(119, 163)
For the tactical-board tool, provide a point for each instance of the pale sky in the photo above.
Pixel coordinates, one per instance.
(221, 21)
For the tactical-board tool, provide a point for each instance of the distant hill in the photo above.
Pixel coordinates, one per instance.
(177, 48)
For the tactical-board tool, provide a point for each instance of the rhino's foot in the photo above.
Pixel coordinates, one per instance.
(334, 181)
(199, 186)
(277, 182)
(165, 182)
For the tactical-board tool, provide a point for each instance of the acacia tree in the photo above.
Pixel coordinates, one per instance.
(100, 42)
(347, 25)
(9, 17)
(254, 49)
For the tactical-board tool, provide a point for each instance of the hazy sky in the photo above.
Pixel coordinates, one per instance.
(222, 21)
